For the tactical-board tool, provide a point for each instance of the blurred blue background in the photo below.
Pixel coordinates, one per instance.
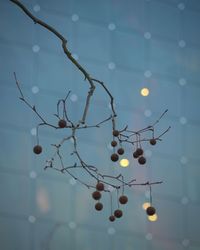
(129, 45)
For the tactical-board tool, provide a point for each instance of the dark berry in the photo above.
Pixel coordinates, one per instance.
(123, 199)
(114, 157)
(118, 213)
(139, 151)
(115, 133)
(112, 218)
(98, 206)
(37, 149)
(151, 211)
(62, 123)
(120, 151)
(142, 160)
(96, 195)
(100, 186)
(135, 154)
(113, 143)
(153, 141)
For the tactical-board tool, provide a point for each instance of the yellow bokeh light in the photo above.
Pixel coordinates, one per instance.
(124, 163)
(146, 205)
(153, 217)
(144, 92)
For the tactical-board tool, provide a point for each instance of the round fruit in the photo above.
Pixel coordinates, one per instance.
(112, 218)
(98, 206)
(123, 199)
(142, 160)
(151, 211)
(118, 213)
(100, 186)
(114, 157)
(62, 123)
(113, 143)
(115, 133)
(135, 155)
(96, 195)
(37, 149)
(139, 151)
(153, 141)
(120, 151)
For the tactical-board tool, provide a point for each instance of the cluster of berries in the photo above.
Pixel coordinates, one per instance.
(123, 199)
(137, 154)
(115, 156)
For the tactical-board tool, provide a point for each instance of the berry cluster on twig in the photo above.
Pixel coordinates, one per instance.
(120, 137)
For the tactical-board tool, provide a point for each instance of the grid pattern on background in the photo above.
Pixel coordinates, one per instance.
(129, 44)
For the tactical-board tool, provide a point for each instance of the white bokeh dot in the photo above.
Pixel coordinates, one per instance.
(72, 225)
(182, 43)
(147, 73)
(147, 113)
(35, 89)
(75, 56)
(147, 35)
(31, 219)
(75, 17)
(183, 160)
(36, 48)
(149, 236)
(111, 65)
(111, 26)
(33, 174)
(184, 200)
(72, 181)
(33, 131)
(36, 8)
(182, 81)
(148, 153)
(111, 231)
(74, 98)
(181, 6)
(186, 242)
(183, 120)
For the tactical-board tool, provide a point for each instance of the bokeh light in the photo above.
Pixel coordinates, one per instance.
(144, 91)
(153, 217)
(146, 205)
(124, 163)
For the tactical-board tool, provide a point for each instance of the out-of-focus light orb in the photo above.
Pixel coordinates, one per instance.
(182, 43)
(124, 163)
(72, 225)
(181, 6)
(36, 7)
(184, 200)
(146, 205)
(149, 236)
(111, 231)
(111, 26)
(147, 113)
(144, 91)
(75, 17)
(31, 219)
(186, 242)
(42, 199)
(153, 217)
